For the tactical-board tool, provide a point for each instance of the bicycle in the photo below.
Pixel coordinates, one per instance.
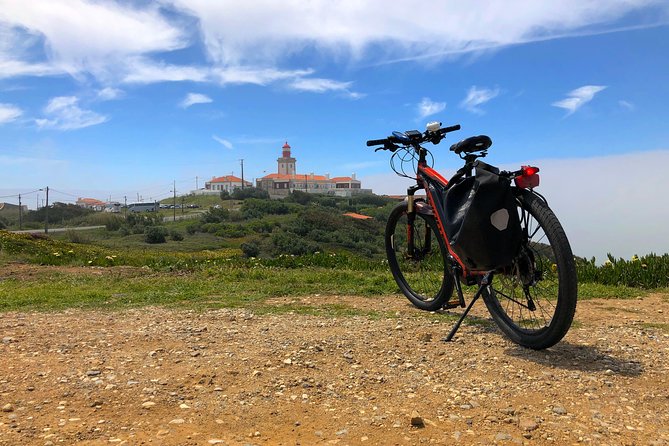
(479, 229)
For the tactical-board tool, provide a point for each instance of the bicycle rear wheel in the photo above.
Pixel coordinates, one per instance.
(419, 269)
(533, 301)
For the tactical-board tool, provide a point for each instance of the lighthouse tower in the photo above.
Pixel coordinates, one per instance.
(286, 162)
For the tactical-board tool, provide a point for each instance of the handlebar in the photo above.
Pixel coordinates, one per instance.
(434, 137)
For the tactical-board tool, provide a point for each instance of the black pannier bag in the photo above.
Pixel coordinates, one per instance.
(482, 222)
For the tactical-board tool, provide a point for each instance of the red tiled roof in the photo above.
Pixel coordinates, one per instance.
(357, 216)
(226, 179)
(342, 179)
(286, 146)
(299, 176)
(91, 201)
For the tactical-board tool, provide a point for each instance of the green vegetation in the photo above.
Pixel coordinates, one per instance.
(240, 253)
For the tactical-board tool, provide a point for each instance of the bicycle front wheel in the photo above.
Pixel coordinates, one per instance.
(533, 301)
(417, 258)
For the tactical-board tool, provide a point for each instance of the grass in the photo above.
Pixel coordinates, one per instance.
(183, 275)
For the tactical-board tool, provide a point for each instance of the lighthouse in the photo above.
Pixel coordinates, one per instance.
(286, 163)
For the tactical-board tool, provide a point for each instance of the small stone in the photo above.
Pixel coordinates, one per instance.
(216, 441)
(342, 432)
(287, 361)
(417, 420)
(177, 421)
(93, 372)
(527, 424)
(8, 408)
(502, 437)
(184, 406)
(559, 410)
(148, 404)
(426, 337)
(7, 339)
(508, 411)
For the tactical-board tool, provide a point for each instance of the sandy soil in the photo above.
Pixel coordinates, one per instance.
(232, 377)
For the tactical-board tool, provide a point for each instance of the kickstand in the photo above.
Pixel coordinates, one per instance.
(485, 281)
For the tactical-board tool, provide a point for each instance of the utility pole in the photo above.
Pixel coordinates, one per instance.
(174, 189)
(196, 187)
(125, 207)
(242, 163)
(46, 212)
(20, 214)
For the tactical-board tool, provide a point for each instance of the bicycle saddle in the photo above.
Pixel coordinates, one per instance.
(472, 144)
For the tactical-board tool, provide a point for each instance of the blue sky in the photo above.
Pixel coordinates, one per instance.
(119, 98)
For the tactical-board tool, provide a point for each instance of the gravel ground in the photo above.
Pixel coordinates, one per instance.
(232, 377)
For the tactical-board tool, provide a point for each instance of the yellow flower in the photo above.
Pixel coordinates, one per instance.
(644, 266)
(635, 258)
(553, 267)
(109, 258)
(71, 251)
(608, 263)
(57, 254)
(90, 261)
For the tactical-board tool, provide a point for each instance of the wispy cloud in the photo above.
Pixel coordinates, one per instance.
(578, 98)
(195, 98)
(427, 107)
(109, 94)
(627, 105)
(9, 113)
(224, 142)
(49, 37)
(319, 85)
(476, 97)
(64, 113)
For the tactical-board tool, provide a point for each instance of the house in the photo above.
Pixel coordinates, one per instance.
(91, 203)
(228, 183)
(287, 180)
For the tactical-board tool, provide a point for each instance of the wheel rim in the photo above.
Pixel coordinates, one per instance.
(423, 272)
(527, 292)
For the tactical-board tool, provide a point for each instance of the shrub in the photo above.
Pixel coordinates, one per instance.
(123, 231)
(192, 228)
(176, 235)
(77, 237)
(251, 248)
(215, 215)
(225, 195)
(155, 234)
(250, 192)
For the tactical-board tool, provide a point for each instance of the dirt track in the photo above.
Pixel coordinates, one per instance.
(230, 377)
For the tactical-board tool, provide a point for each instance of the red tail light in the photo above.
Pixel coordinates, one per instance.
(528, 179)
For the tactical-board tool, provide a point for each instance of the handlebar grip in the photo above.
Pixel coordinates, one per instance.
(376, 142)
(449, 129)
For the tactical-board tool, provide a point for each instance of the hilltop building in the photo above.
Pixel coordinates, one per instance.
(287, 180)
(91, 203)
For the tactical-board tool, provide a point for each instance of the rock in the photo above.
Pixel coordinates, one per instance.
(559, 410)
(528, 424)
(417, 420)
(93, 372)
(177, 421)
(7, 339)
(508, 411)
(148, 404)
(216, 441)
(8, 408)
(502, 437)
(184, 406)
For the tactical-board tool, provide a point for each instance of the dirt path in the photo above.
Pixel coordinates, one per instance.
(231, 377)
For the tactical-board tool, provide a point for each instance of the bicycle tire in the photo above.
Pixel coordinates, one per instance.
(546, 267)
(424, 277)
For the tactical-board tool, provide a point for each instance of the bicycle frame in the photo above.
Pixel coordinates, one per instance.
(434, 185)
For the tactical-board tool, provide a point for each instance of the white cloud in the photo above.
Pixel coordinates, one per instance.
(427, 107)
(478, 96)
(120, 41)
(408, 28)
(109, 93)
(64, 113)
(9, 113)
(627, 105)
(85, 36)
(577, 98)
(224, 142)
(195, 98)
